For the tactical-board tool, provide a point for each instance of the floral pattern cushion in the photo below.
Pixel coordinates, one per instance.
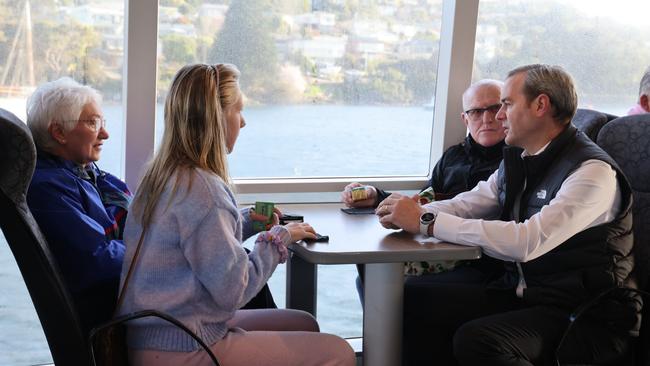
(627, 141)
(429, 267)
(18, 157)
(589, 122)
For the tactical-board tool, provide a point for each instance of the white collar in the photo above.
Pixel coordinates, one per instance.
(525, 153)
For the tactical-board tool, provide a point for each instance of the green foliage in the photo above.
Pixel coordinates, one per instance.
(606, 58)
(179, 48)
(245, 40)
(420, 78)
(172, 3)
(383, 84)
(67, 50)
(290, 6)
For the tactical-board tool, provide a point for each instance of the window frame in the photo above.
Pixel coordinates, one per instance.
(458, 34)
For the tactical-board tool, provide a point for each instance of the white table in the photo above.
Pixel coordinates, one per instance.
(361, 239)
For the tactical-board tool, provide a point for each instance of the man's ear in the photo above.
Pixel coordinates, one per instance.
(465, 120)
(644, 101)
(541, 105)
(57, 132)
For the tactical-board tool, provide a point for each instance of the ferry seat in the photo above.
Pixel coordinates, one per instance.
(590, 121)
(55, 308)
(37, 265)
(627, 141)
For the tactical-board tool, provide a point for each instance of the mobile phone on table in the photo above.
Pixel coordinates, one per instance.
(358, 210)
(319, 238)
(287, 218)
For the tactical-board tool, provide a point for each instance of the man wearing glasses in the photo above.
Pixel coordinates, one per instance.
(462, 166)
(459, 169)
(558, 214)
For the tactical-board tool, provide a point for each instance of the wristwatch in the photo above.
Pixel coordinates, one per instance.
(426, 220)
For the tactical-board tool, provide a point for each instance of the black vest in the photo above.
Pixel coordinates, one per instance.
(587, 263)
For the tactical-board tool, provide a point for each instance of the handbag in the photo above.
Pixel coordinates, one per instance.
(108, 341)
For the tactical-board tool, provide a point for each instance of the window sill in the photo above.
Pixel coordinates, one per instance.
(312, 190)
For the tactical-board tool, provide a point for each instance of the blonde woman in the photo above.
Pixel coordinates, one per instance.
(191, 263)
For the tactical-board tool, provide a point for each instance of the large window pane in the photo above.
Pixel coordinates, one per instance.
(43, 40)
(605, 46)
(334, 88)
(40, 41)
(22, 341)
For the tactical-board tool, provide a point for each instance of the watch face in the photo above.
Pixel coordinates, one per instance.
(427, 217)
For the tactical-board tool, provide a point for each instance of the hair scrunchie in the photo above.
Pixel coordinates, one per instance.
(277, 237)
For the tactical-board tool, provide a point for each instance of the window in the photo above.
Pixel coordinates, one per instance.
(41, 41)
(333, 88)
(603, 46)
(22, 341)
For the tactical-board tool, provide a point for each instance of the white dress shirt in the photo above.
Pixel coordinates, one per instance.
(590, 196)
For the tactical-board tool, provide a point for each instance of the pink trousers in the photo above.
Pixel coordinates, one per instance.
(262, 337)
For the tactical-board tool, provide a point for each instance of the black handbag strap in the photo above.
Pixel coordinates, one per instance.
(120, 297)
(145, 313)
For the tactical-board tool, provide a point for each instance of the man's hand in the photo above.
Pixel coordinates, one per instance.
(398, 211)
(346, 196)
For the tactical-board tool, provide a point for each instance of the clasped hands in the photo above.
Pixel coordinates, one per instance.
(400, 212)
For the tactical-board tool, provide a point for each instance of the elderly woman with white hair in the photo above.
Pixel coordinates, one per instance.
(80, 209)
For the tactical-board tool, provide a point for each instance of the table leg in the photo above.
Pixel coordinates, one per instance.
(301, 285)
(382, 314)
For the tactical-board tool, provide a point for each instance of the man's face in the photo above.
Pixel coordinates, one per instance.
(516, 113)
(479, 115)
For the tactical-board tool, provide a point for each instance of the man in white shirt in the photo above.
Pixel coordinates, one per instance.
(557, 212)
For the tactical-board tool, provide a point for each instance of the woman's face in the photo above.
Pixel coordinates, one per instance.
(83, 144)
(234, 122)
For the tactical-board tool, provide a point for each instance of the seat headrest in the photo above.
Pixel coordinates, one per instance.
(627, 141)
(18, 154)
(589, 122)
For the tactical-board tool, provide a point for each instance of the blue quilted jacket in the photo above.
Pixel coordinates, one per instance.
(81, 212)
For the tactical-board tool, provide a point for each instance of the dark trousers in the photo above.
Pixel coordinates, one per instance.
(263, 299)
(451, 319)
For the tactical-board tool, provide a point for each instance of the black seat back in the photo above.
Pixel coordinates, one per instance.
(38, 266)
(590, 122)
(627, 140)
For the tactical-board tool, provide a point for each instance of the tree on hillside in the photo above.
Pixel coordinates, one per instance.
(245, 40)
(68, 49)
(291, 6)
(606, 65)
(179, 49)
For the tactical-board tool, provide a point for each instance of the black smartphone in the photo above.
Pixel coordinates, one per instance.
(359, 210)
(287, 218)
(319, 238)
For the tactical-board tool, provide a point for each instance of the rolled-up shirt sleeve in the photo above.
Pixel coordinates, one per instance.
(588, 197)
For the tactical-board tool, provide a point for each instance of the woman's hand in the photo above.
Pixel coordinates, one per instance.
(261, 218)
(346, 196)
(300, 230)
